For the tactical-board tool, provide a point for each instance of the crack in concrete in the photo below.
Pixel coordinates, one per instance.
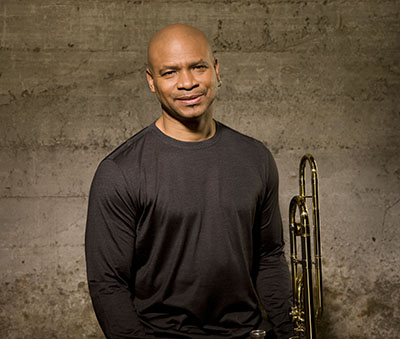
(386, 212)
(29, 92)
(83, 196)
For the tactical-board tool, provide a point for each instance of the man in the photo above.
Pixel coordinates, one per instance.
(184, 236)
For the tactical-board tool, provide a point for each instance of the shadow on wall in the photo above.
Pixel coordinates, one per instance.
(326, 325)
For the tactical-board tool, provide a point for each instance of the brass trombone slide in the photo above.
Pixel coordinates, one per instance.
(306, 266)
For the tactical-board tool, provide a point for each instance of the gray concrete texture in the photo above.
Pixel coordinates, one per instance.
(301, 76)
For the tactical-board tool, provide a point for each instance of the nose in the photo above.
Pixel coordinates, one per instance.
(187, 80)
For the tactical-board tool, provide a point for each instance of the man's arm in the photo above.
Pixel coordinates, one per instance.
(110, 246)
(273, 279)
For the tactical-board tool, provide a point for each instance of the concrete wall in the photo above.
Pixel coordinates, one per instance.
(302, 76)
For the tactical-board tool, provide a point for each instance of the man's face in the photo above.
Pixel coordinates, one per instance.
(184, 76)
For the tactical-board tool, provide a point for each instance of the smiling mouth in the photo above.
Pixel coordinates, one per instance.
(190, 100)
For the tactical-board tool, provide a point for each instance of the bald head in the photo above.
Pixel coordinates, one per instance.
(183, 73)
(175, 36)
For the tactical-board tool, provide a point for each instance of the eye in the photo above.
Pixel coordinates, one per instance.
(167, 73)
(200, 67)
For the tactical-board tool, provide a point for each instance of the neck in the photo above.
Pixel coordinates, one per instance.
(191, 131)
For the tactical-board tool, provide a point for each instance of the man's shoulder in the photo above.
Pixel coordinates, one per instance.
(242, 140)
(129, 148)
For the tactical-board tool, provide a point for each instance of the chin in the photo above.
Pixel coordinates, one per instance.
(192, 116)
(188, 114)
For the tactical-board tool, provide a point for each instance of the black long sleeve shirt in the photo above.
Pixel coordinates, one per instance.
(184, 239)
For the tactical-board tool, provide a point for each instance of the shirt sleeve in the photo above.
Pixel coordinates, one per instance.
(272, 276)
(110, 247)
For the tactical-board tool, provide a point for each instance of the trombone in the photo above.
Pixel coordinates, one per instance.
(306, 266)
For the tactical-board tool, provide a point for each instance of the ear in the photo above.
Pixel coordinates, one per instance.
(216, 68)
(150, 80)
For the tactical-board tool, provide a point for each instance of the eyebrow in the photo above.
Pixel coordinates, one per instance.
(175, 68)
